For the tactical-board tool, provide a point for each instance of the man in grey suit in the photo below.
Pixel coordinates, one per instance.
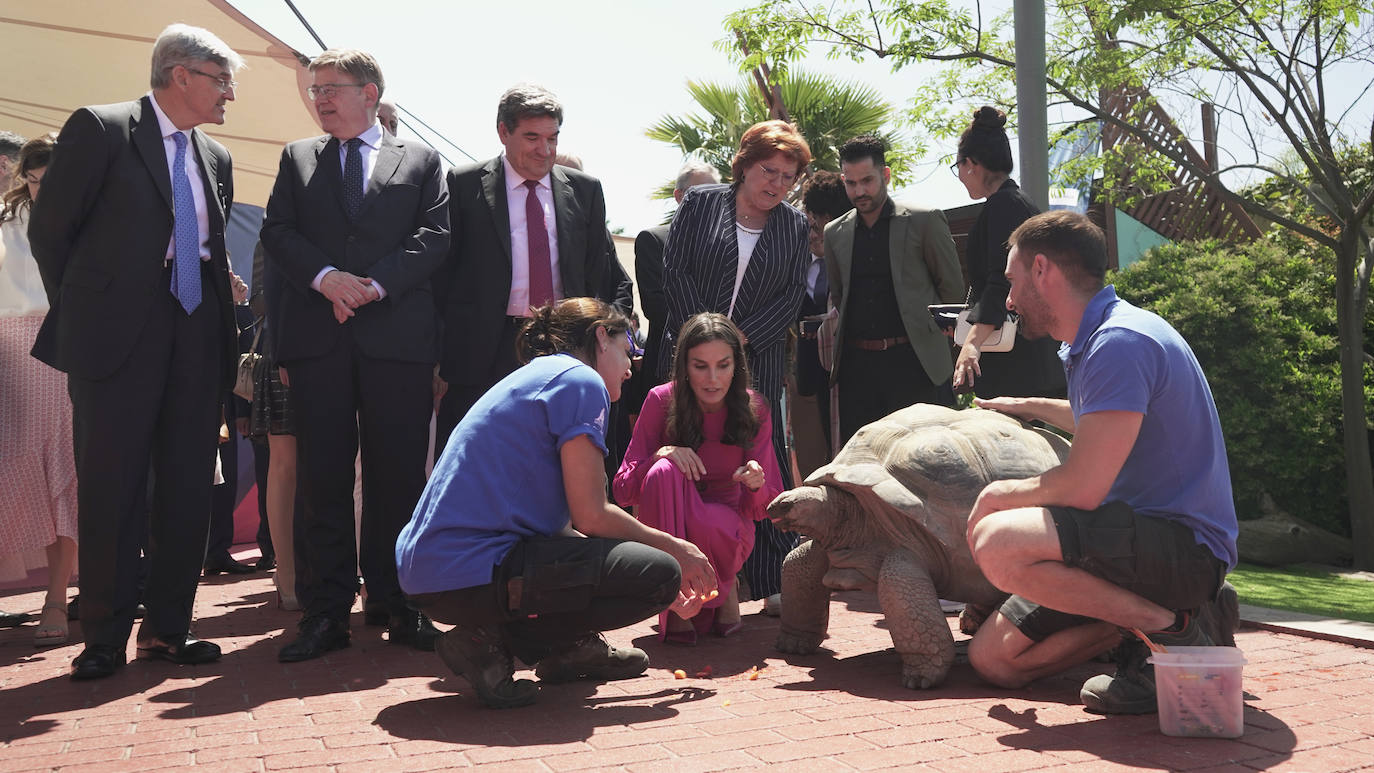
(356, 224)
(525, 232)
(129, 237)
(886, 263)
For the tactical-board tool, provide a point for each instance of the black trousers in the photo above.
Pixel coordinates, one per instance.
(571, 587)
(158, 412)
(221, 536)
(874, 384)
(346, 401)
(460, 398)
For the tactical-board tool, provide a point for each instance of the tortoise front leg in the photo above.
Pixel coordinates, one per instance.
(918, 627)
(805, 600)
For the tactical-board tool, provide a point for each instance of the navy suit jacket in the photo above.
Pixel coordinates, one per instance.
(100, 230)
(399, 238)
(473, 286)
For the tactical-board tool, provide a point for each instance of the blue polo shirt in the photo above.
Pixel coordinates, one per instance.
(1127, 359)
(500, 478)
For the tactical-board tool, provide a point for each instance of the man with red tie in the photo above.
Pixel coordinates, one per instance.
(525, 232)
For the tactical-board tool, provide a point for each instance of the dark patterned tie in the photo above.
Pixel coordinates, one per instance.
(541, 272)
(820, 296)
(353, 178)
(185, 233)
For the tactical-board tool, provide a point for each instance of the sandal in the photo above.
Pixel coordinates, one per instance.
(50, 634)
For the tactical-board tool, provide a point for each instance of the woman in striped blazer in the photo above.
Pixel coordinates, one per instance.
(741, 250)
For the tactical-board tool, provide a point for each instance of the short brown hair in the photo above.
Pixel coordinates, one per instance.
(360, 65)
(1070, 241)
(763, 140)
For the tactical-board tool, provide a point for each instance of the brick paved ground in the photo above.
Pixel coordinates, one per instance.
(1309, 706)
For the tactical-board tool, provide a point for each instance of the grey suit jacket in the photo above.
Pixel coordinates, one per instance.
(100, 230)
(400, 237)
(925, 270)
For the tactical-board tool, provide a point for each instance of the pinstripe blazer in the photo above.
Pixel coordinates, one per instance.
(699, 267)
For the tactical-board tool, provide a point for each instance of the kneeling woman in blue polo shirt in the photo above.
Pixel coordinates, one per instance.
(513, 541)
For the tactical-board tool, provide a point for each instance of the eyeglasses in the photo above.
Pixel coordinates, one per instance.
(224, 84)
(330, 90)
(774, 175)
(954, 167)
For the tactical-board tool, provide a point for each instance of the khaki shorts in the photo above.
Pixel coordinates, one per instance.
(1155, 558)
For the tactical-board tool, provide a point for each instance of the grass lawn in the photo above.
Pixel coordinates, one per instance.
(1305, 589)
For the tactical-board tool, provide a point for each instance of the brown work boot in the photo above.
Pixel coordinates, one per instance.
(1131, 690)
(481, 656)
(592, 658)
(1220, 618)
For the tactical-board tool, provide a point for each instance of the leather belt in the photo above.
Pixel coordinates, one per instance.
(877, 344)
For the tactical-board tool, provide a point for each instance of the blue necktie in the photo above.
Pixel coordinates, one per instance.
(353, 178)
(186, 233)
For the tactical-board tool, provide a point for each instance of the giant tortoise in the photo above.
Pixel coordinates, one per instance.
(890, 514)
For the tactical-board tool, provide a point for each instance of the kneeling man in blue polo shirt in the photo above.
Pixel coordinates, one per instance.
(1137, 528)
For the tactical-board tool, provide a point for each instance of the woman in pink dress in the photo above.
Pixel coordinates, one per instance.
(701, 465)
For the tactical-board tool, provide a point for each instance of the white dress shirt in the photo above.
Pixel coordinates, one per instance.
(813, 273)
(518, 304)
(372, 139)
(193, 173)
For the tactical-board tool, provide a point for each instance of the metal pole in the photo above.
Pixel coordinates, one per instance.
(1032, 128)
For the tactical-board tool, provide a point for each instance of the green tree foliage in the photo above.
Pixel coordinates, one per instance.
(1259, 318)
(827, 110)
(1268, 65)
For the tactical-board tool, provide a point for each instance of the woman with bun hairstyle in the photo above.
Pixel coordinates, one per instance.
(513, 541)
(701, 465)
(1032, 368)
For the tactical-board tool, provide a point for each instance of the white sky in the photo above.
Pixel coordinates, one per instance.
(617, 67)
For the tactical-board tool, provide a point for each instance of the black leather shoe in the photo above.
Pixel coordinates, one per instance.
(376, 612)
(227, 565)
(266, 564)
(317, 635)
(414, 629)
(97, 662)
(190, 652)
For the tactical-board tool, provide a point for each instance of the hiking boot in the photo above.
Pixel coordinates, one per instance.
(481, 656)
(1190, 634)
(1221, 618)
(1131, 690)
(592, 658)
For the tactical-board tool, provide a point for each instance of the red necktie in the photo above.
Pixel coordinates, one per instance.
(541, 272)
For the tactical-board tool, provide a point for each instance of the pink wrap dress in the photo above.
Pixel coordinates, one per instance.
(716, 514)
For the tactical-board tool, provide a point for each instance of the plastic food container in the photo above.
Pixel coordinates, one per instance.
(1199, 692)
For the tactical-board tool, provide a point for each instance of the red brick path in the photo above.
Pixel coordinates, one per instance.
(1309, 706)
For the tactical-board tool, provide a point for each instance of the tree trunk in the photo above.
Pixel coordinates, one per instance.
(1359, 473)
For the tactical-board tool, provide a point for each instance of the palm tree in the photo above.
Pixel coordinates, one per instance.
(827, 110)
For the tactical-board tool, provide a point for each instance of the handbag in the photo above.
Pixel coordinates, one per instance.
(248, 366)
(1001, 340)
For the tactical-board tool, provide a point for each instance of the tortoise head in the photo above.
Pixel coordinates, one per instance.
(811, 510)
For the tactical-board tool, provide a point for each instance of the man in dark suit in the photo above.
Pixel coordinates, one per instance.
(525, 232)
(129, 237)
(649, 277)
(886, 262)
(824, 201)
(356, 224)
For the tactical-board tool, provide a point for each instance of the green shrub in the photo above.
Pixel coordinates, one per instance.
(1262, 320)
